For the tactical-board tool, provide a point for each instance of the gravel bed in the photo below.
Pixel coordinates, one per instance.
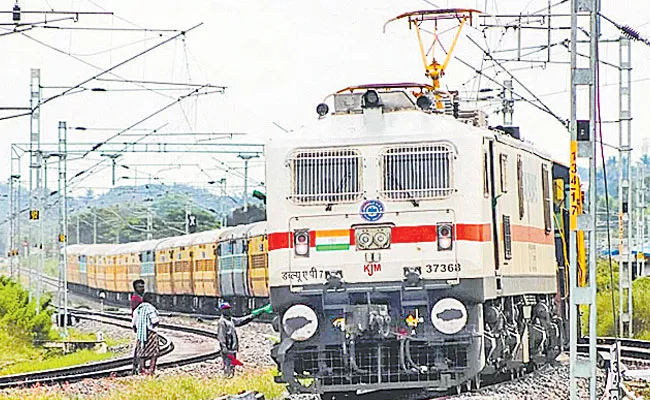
(255, 347)
(255, 342)
(550, 382)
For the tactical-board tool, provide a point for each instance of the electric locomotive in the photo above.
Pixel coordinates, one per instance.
(410, 245)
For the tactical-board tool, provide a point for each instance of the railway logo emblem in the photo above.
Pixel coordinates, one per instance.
(372, 210)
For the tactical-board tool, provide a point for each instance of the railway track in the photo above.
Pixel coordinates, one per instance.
(116, 367)
(53, 282)
(634, 352)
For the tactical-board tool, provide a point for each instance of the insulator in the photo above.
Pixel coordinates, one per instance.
(631, 33)
(16, 13)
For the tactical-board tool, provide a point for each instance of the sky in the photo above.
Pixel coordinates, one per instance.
(278, 59)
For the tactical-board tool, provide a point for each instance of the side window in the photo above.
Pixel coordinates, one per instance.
(503, 167)
(546, 194)
(520, 186)
(486, 176)
(507, 238)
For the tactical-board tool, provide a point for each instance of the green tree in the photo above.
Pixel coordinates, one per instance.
(18, 315)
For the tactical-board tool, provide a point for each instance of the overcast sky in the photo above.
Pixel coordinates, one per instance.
(279, 59)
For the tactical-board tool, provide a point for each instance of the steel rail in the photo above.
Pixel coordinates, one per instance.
(116, 367)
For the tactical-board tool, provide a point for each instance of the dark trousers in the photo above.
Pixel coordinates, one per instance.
(135, 369)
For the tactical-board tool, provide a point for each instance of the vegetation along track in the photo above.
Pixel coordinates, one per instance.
(116, 367)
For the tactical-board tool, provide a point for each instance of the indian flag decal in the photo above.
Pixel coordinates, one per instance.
(336, 239)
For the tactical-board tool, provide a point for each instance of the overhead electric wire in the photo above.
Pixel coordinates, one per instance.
(514, 78)
(35, 24)
(140, 41)
(88, 28)
(203, 85)
(514, 93)
(103, 72)
(627, 30)
(70, 181)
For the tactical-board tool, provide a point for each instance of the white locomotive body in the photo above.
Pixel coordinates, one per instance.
(407, 247)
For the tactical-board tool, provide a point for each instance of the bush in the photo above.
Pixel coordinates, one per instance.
(18, 315)
(606, 323)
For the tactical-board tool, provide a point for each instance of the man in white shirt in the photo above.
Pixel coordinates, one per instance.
(145, 322)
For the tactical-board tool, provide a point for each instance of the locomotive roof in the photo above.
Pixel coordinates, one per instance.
(393, 127)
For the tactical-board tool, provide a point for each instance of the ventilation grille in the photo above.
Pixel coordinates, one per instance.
(417, 172)
(326, 176)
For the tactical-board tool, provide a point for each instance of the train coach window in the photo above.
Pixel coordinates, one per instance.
(507, 238)
(520, 186)
(417, 172)
(546, 194)
(325, 176)
(503, 167)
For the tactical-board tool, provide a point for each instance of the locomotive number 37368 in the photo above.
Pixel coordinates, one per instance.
(433, 268)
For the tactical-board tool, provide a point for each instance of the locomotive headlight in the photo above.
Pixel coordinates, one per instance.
(364, 240)
(372, 237)
(300, 322)
(301, 242)
(322, 109)
(449, 316)
(371, 98)
(381, 239)
(424, 102)
(445, 236)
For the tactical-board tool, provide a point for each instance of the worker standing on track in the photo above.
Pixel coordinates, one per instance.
(227, 335)
(136, 299)
(145, 323)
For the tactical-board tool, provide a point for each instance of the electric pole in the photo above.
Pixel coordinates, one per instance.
(94, 225)
(625, 190)
(583, 145)
(149, 222)
(187, 216)
(34, 172)
(63, 224)
(246, 158)
(224, 215)
(507, 103)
